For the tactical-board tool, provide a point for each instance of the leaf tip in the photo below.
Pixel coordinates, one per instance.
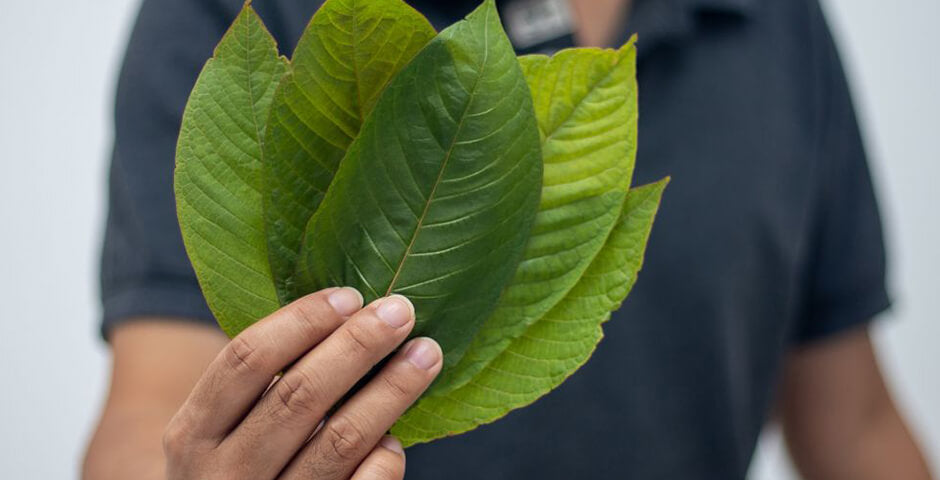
(247, 9)
(485, 8)
(658, 187)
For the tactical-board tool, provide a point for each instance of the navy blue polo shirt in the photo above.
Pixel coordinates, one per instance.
(768, 236)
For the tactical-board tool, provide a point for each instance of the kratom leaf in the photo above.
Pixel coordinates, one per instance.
(552, 348)
(439, 193)
(349, 52)
(436, 197)
(585, 103)
(218, 173)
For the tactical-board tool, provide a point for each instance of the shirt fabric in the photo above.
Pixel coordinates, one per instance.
(768, 236)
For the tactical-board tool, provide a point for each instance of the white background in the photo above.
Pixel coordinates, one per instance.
(57, 70)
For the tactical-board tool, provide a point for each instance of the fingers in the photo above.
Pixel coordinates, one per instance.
(245, 367)
(289, 412)
(386, 462)
(352, 432)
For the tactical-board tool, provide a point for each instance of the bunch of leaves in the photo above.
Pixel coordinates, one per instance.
(493, 191)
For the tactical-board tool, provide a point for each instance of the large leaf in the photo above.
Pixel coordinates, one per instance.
(394, 164)
(436, 197)
(218, 173)
(552, 348)
(585, 103)
(347, 55)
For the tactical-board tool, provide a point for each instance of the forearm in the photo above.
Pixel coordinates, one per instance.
(156, 362)
(127, 444)
(885, 450)
(838, 416)
(881, 448)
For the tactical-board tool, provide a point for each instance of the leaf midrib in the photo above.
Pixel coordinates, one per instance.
(487, 363)
(450, 151)
(355, 61)
(593, 88)
(259, 133)
(251, 95)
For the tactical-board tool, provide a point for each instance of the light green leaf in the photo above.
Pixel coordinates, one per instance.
(436, 197)
(552, 348)
(218, 173)
(585, 103)
(349, 52)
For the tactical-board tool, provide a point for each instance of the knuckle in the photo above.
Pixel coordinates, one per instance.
(296, 397)
(243, 356)
(357, 339)
(345, 439)
(313, 311)
(313, 316)
(176, 437)
(398, 386)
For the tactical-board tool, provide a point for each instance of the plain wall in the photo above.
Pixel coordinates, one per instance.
(58, 62)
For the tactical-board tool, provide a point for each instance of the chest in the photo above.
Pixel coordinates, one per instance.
(722, 114)
(727, 121)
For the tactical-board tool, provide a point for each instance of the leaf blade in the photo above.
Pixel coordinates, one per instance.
(217, 177)
(346, 56)
(424, 172)
(551, 349)
(581, 97)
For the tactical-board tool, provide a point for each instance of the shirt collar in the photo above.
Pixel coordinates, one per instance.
(656, 22)
(670, 22)
(739, 7)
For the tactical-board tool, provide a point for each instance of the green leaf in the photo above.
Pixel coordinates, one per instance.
(218, 173)
(349, 52)
(436, 197)
(494, 193)
(585, 103)
(552, 348)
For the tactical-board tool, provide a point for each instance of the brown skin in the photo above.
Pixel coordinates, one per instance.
(205, 396)
(838, 417)
(155, 364)
(219, 415)
(598, 21)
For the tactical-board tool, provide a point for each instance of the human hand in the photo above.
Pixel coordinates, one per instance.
(237, 424)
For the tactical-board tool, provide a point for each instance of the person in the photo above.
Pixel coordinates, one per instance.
(763, 273)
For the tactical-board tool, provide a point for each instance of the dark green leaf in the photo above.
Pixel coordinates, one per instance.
(553, 347)
(347, 55)
(436, 197)
(585, 103)
(218, 173)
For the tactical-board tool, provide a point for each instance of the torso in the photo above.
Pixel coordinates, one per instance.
(683, 381)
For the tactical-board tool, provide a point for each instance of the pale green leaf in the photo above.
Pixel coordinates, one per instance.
(552, 348)
(436, 197)
(346, 56)
(585, 103)
(218, 173)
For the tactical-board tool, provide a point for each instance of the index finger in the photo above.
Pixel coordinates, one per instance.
(244, 369)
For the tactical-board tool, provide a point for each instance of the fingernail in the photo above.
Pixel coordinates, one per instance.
(389, 442)
(346, 301)
(423, 353)
(396, 310)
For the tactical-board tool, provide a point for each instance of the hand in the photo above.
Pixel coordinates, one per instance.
(237, 424)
